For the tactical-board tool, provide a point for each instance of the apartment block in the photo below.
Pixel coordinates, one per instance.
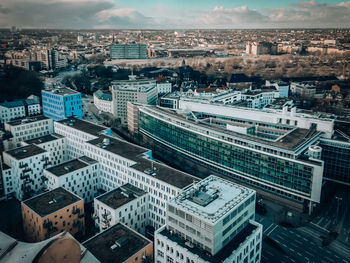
(62, 103)
(55, 144)
(52, 212)
(126, 204)
(77, 132)
(28, 128)
(122, 244)
(27, 164)
(12, 110)
(210, 221)
(80, 176)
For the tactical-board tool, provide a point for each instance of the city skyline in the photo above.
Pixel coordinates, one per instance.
(110, 14)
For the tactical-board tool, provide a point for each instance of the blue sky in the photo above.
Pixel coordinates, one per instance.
(174, 14)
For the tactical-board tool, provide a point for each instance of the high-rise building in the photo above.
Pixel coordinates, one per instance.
(143, 91)
(62, 103)
(128, 51)
(211, 221)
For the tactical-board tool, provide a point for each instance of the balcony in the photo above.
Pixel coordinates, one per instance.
(23, 177)
(47, 224)
(76, 211)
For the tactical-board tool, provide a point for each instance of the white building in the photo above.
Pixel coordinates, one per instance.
(55, 144)
(209, 217)
(163, 87)
(27, 164)
(80, 176)
(28, 128)
(11, 110)
(77, 132)
(122, 162)
(103, 101)
(303, 89)
(143, 91)
(33, 107)
(126, 204)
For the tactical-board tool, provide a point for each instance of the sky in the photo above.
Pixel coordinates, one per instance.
(174, 14)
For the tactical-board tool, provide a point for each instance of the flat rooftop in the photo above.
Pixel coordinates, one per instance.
(51, 201)
(26, 120)
(121, 196)
(71, 166)
(212, 198)
(125, 243)
(44, 139)
(83, 125)
(25, 151)
(142, 163)
(224, 253)
(62, 91)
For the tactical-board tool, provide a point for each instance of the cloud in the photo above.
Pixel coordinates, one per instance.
(109, 14)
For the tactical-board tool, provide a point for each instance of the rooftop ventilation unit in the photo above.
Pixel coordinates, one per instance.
(106, 141)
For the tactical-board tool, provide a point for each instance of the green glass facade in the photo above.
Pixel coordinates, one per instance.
(266, 168)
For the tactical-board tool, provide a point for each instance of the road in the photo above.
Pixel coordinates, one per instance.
(302, 244)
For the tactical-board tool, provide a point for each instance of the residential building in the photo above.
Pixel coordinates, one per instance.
(77, 132)
(26, 177)
(282, 87)
(52, 212)
(128, 51)
(211, 221)
(55, 144)
(270, 157)
(80, 176)
(32, 107)
(126, 204)
(303, 89)
(120, 243)
(261, 48)
(163, 87)
(12, 110)
(143, 91)
(122, 162)
(103, 101)
(132, 113)
(27, 128)
(62, 103)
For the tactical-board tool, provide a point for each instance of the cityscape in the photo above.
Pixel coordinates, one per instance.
(176, 132)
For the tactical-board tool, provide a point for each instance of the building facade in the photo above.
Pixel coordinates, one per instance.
(103, 101)
(62, 103)
(209, 217)
(52, 212)
(128, 51)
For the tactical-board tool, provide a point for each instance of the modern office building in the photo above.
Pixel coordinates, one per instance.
(77, 132)
(126, 204)
(62, 103)
(27, 128)
(26, 176)
(143, 91)
(164, 87)
(211, 221)
(272, 158)
(103, 101)
(128, 51)
(80, 176)
(55, 144)
(120, 243)
(52, 212)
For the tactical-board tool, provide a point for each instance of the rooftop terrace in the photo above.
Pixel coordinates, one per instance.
(25, 151)
(51, 201)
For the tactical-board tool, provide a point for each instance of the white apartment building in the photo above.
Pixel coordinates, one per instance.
(28, 128)
(11, 110)
(143, 91)
(163, 87)
(33, 107)
(77, 132)
(126, 204)
(209, 217)
(80, 176)
(258, 99)
(27, 164)
(55, 144)
(103, 101)
(122, 162)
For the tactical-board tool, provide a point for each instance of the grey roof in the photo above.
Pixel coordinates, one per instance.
(12, 104)
(104, 95)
